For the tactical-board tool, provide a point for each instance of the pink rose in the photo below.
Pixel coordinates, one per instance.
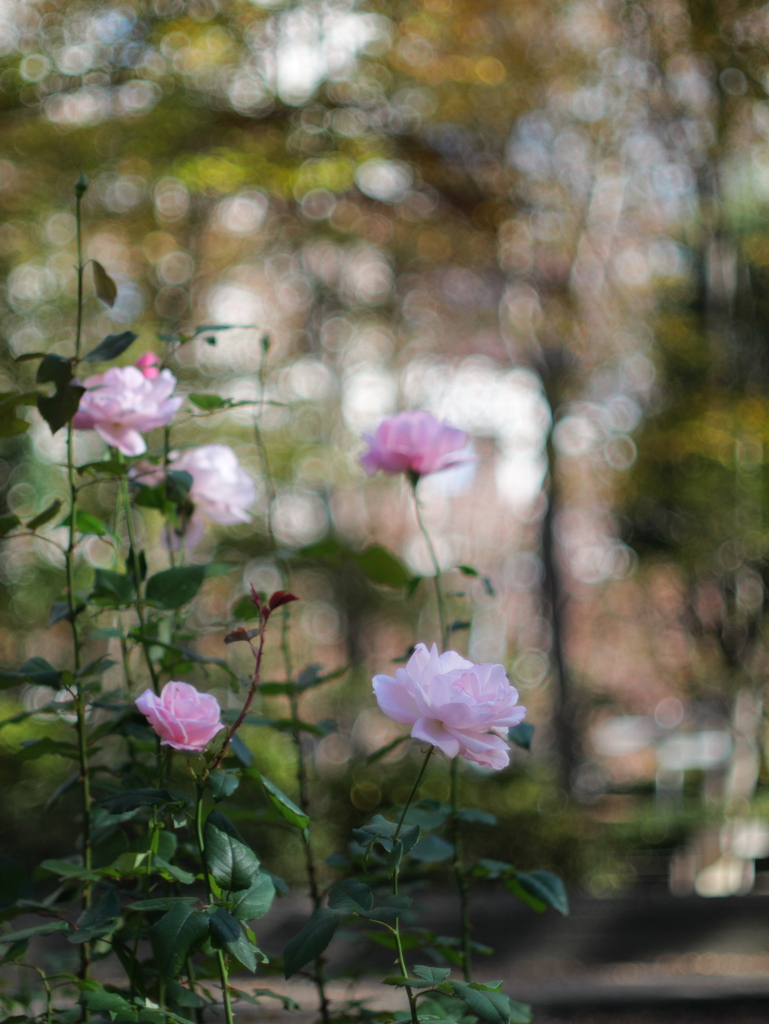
(183, 718)
(149, 364)
(459, 707)
(415, 442)
(122, 404)
(221, 490)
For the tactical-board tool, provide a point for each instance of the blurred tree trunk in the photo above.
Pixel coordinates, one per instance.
(554, 594)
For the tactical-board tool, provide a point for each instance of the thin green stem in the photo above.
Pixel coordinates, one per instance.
(166, 463)
(222, 963)
(246, 706)
(48, 995)
(436, 569)
(69, 559)
(461, 876)
(396, 928)
(412, 794)
(136, 568)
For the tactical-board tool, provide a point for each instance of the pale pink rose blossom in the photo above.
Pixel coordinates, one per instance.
(122, 404)
(416, 443)
(183, 718)
(149, 364)
(221, 491)
(448, 701)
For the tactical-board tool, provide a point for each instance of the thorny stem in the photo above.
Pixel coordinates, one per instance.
(461, 876)
(396, 927)
(246, 706)
(436, 569)
(69, 557)
(222, 963)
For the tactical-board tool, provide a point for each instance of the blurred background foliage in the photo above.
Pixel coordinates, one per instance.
(545, 222)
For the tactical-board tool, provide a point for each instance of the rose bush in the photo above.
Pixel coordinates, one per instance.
(415, 442)
(124, 403)
(182, 716)
(459, 707)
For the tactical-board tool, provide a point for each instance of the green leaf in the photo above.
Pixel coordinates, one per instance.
(423, 981)
(8, 523)
(432, 850)
(226, 933)
(233, 864)
(11, 423)
(112, 467)
(87, 523)
(283, 805)
(68, 869)
(310, 942)
(162, 903)
(37, 670)
(120, 803)
(97, 920)
(39, 929)
(28, 357)
(255, 993)
(382, 567)
(31, 750)
(244, 610)
(112, 588)
(100, 1000)
(207, 402)
(487, 1004)
(54, 370)
(176, 936)
(45, 516)
(223, 782)
(544, 887)
(250, 904)
(432, 975)
(241, 751)
(172, 871)
(389, 908)
(520, 1013)
(476, 816)
(59, 409)
(380, 830)
(104, 286)
(467, 570)
(113, 346)
(521, 735)
(350, 896)
(176, 587)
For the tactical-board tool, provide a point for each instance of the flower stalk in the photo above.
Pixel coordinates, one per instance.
(220, 958)
(69, 556)
(442, 618)
(396, 871)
